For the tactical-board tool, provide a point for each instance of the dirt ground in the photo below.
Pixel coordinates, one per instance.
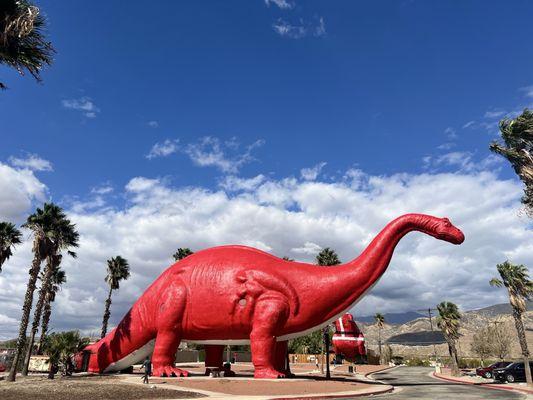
(84, 388)
(306, 382)
(255, 387)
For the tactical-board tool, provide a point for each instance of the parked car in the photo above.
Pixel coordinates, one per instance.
(486, 372)
(514, 372)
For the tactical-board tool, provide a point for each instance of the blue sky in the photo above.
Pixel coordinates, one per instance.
(377, 88)
(286, 125)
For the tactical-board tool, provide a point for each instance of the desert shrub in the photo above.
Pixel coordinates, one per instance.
(417, 362)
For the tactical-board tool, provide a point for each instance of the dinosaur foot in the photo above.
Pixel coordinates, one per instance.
(169, 370)
(268, 373)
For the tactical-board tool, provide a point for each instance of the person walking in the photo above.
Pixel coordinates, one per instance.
(147, 365)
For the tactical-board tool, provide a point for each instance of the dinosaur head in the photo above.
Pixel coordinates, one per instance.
(443, 229)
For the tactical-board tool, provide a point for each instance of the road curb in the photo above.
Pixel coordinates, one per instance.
(485, 385)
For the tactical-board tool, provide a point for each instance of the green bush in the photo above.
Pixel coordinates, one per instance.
(417, 362)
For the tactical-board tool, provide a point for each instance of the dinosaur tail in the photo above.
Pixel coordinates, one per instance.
(124, 346)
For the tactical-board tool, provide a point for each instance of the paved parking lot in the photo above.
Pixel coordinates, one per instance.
(415, 383)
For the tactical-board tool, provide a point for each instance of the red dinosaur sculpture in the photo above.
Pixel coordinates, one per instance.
(348, 339)
(238, 295)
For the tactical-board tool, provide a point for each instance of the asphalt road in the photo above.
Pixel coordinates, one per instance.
(415, 383)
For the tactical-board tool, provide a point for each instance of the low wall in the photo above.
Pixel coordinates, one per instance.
(184, 356)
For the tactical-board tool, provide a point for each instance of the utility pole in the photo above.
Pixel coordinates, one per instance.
(429, 310)
(326, 346)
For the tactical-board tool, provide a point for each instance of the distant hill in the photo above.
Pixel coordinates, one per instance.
(402, 318)
(392, 318)
(415, 339)
(499, 309)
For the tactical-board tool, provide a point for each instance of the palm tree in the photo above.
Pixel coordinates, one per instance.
(448, 321)
(22, 42)
(40, 224)
(327, 257)
(58, 278)
(117, 269)
(182, 253)
(60, 347)
(516, 279)
(9, 237)
(63, 236)
(380, 322)
(517, 135)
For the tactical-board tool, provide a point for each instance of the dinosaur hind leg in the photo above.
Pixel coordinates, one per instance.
(282, 358)
(171, 307)
(271, 312)
(214, 357)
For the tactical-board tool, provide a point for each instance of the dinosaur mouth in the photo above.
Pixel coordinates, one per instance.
(454, 238)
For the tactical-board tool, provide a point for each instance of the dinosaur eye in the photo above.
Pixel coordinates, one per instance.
(242, 302)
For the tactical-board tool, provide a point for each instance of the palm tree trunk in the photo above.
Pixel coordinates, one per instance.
(453, 355)
(26, 310)
(3, 258)
(517, 315)
(45, 287)
(47, 312)
(379, 343)
(107, 313)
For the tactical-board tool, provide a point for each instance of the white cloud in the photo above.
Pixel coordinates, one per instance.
(320, 29)
(451, 133)
(210, 152)
(469, 124)
(460, 160)
(528, 91)
(283, 4)
(84, 104)
(287, 217)
(163, 149)
(310, 174)
(284, 28)
(299, 30)
(494, 113)
(232, 183)
(153, 124)
(32, 162)
(19, 188)
(446, 146)
(308, 249)
(105, 188)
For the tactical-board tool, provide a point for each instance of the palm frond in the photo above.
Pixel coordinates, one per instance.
(517, 147)
(23, 45)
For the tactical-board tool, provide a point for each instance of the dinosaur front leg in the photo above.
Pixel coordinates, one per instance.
(214, 357)
(164, 357)
(170, 307)
(269, 316)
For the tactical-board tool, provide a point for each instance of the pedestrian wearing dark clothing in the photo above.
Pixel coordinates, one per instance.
(147, 365)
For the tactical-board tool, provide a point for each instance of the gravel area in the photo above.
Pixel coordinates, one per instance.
(84, 388)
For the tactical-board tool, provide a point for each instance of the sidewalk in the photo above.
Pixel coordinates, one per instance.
(470, 380)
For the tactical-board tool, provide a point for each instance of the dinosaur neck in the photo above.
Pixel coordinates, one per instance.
(355, 277)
